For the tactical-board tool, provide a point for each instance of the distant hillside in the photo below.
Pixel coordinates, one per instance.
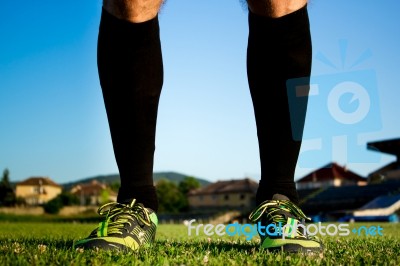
(112, 178)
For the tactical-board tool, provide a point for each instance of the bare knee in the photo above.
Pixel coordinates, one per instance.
(133, 10)
(275, 8)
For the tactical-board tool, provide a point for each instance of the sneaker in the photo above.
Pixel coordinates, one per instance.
(125, 227)
(277, 213)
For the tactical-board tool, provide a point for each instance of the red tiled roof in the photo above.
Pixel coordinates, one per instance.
(228, 186)
(93, 188)
(330, 172)
(37, 181)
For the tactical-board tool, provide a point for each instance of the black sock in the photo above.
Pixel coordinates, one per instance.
(131, 76)
(278, 49)
(143, 194)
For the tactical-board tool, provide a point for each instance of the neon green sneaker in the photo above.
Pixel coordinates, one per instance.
(126, 227)
(283, 227)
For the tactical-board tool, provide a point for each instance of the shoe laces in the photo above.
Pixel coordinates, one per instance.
(118, 215)
(274, 209)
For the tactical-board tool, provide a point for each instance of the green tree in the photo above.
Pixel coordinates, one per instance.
(170, 198)
(376, 179)
(104, 196)
(7, 195)
(187, 184)
(115, 186)
(53, 206)
(69, 199)
(6, 178)
(20, 201)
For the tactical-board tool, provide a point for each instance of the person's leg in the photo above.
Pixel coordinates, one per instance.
(131, 76)
(279, 48)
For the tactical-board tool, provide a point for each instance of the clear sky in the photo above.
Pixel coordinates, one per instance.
(53, 122)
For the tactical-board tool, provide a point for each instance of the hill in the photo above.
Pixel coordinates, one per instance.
(113, 178)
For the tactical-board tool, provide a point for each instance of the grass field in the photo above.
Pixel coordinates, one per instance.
(50, 243)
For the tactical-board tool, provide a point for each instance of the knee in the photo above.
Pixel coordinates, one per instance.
(275, 8)
(133, 10)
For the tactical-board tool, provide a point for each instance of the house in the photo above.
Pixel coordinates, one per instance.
(391, 171)
(37, 190)
(94, 193)
(233, 194)
(330, 175)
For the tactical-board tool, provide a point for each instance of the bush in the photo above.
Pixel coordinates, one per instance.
(68, 199)
(171, 200)
(20, 201)
(64, 199)
(53, 206)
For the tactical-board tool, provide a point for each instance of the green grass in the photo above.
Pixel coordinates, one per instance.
(49, 243)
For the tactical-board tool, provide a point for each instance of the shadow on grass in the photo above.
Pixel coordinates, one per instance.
(219, 245)
(169, 246)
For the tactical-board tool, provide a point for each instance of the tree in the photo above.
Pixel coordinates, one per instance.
(104, 196)
(6, 178)
(187, 184)
(115, 186)
(53, 206)
(376, 179)
(170, 198)
(69, 199)
(7, 195)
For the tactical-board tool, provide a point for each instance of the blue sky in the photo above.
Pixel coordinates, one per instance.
(53, 121)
